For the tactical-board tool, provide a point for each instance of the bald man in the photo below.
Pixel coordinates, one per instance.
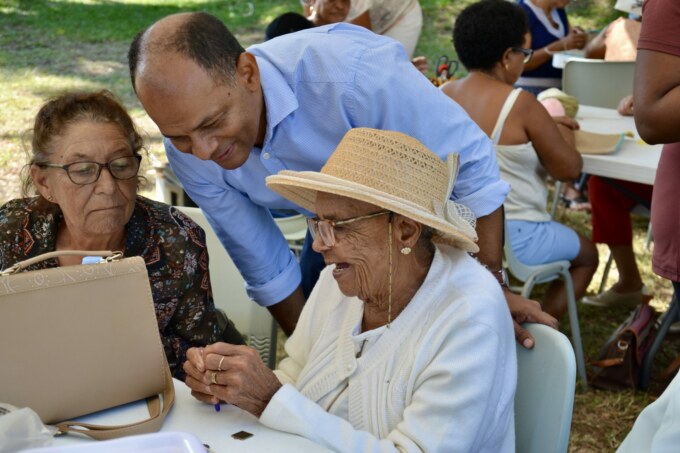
(232, 117)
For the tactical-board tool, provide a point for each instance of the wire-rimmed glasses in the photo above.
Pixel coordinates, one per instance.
(326, 228)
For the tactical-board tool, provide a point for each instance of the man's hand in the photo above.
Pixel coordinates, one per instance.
(526, 310)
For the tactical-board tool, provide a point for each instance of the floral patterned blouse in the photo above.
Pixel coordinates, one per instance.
(173, 248)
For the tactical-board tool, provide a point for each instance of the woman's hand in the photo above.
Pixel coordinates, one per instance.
(194, 367)
(567, 122)
(625, 107)
(576, 39)
(236, 375)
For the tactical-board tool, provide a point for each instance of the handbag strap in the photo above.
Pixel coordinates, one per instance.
(21, 265)
(150, 425)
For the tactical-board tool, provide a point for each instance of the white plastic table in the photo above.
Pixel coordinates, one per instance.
(200, 419)
(635, 161)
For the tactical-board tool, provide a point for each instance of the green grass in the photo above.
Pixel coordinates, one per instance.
(47, 47)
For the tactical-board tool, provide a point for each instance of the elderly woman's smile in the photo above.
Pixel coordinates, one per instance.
(360, 250)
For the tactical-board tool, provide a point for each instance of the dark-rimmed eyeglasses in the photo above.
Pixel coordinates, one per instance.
(326, 228)
(88, 172)
(528, 53)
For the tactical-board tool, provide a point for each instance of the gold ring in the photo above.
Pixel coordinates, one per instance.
(219, 365)
(213, 377)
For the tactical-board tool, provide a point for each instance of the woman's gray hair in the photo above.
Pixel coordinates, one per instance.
(55, 116)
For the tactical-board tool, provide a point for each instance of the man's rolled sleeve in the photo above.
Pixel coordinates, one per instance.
(278, 288)
(246, 230)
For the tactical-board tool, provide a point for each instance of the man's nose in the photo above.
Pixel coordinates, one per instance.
(204, 146)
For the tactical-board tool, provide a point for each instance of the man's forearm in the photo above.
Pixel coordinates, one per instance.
(287, 312)
(490, 240)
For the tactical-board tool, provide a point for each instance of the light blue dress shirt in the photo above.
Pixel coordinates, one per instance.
(318, 84)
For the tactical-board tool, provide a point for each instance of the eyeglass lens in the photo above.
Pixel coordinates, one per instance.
(89, 172)
(324, 228)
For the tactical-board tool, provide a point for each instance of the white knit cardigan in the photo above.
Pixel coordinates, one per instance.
(442, 377)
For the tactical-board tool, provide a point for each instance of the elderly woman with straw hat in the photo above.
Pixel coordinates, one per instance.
(406, 342)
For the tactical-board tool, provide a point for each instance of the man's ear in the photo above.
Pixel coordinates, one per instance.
(40, 181)
(247, 71)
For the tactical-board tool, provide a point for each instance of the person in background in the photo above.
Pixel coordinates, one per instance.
(657, 105)
(320, 12)
(324, 12)
(611, 202)
(491, 40)
(399, 19)
(616, 42)
(84, 164)
(406, 342)
(550, 33)
(231, 117)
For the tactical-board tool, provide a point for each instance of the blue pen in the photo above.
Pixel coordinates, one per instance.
(217, 407)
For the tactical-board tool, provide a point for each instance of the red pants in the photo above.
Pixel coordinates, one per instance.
(612, 200)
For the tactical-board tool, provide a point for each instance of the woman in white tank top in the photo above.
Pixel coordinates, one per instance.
(492, 40)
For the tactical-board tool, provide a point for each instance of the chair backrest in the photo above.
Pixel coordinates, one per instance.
(230, 295)
(597, 82)
(546, 379)
(294, 228)
(540, 273)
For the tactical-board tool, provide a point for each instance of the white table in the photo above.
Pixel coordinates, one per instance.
(200, 419)
(635, 161)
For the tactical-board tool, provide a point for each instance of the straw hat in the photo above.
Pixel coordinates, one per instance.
(393, 171)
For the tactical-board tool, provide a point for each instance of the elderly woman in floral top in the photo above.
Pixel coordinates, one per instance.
(84, 164)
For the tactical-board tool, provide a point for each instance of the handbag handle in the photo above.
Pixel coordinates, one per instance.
(150, 425)
(21, 265)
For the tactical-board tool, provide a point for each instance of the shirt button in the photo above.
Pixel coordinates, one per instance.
(266, 156)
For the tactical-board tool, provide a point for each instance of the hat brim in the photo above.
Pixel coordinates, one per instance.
(301, 188)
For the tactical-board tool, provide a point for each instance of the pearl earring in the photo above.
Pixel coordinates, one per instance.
(49, 198)
(405, 250)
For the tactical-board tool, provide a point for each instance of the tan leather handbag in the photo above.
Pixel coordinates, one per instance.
(79, 339)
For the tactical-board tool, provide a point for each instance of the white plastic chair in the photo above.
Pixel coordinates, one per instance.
(597, 82)
(544, 273)
(294, 229)
(230, 295)
(546, 378)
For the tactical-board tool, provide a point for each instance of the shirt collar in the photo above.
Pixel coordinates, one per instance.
(279, 98)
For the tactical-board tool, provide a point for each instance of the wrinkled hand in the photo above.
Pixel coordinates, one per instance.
(576, 39)
(566, 121)
(194, 367)
(420, 63)
(242, 378)
(526, 310)
(625, 107)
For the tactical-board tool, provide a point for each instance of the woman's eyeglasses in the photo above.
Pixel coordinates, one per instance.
(528, 53)
(326, 228)
(87, 172)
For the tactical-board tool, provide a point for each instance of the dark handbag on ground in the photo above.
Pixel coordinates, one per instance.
(618, 365)
(79, 339)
